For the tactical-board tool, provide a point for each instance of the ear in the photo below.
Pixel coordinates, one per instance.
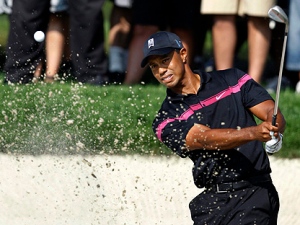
(183, 55)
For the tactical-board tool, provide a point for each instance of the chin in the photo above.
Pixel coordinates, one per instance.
(171, 85)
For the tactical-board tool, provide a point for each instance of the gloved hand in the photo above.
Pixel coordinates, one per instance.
(275, 144)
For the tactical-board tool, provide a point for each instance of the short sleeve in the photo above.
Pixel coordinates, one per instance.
(172, 132)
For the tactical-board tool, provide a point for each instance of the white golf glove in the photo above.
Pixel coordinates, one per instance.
(274, 145)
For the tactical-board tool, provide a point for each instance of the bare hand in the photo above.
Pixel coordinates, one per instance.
(263, 131)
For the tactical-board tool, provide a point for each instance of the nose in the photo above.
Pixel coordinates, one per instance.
(162, 70)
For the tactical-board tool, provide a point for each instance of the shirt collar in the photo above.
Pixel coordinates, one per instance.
(204, 78)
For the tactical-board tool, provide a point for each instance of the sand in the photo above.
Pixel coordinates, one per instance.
(116, 190)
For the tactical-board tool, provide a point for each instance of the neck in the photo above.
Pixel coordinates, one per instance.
(190, 84)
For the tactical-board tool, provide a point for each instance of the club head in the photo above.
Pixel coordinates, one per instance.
(276, 13)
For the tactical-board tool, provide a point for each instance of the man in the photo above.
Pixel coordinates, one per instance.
(209, 117)
(148, 16)
(24, 54)
(225, 33)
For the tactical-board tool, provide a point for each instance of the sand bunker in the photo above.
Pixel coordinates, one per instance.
(115, 190)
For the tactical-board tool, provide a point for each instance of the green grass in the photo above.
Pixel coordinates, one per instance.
(4, 25)
(75, 119)
(71, 119)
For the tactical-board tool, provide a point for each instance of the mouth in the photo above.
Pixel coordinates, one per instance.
(167, 78)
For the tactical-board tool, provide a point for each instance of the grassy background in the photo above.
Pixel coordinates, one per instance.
(68, 118)
(4, 26)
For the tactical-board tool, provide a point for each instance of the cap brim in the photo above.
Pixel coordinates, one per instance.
(161, 51)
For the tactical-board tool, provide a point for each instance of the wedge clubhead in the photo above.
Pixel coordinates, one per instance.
(276, 13)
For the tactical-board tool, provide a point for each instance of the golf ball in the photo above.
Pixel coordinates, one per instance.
(272, 24)
(39, 36)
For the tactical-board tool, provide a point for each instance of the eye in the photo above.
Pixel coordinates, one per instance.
(164, 61)
(152, 66)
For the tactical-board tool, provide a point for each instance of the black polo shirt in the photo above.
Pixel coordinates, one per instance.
(222, 101)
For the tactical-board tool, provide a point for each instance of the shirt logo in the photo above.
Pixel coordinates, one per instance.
(220, 96)
(150, 43)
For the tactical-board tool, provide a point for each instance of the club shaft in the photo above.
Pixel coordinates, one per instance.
(279, 77)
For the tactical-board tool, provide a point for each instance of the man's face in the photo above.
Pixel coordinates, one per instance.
(168, 69)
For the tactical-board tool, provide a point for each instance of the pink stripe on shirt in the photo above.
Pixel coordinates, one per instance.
(209, 101)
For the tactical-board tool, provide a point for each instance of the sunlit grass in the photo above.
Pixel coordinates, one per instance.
(75, 119)
(71, 118)
(4, 26)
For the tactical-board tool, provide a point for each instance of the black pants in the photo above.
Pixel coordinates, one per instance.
(87, 39)
(254, 205)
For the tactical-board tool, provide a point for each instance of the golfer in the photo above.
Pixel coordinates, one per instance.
(210, 118)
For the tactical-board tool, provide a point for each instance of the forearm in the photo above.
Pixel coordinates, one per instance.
(267, 114)
(200, 137)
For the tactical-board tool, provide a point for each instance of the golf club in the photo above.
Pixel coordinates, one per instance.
(277, 14)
